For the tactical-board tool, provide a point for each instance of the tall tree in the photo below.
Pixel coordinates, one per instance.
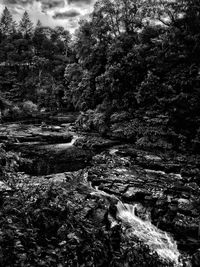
(7, 25)
(25, 25)
(120, 15)
(38, 24)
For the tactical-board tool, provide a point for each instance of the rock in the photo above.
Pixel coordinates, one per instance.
(117, 134)
(56, 138)
(65, 125)
(185, 206)
(119, 116)
(196, 259)
(95, 143)
(104, 144)
(65, 118)
(186, 225)
(57, 178)
(4, 187)
(135, 194)
(56, 128)
(119, 188)
(42, 160)
(99, 215)
(152, 157)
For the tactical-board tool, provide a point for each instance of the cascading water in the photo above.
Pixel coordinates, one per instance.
(62, 146)
(157, 240)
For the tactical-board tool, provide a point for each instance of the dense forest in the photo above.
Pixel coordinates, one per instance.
(33, 60)
(100, 138)
(130, 57)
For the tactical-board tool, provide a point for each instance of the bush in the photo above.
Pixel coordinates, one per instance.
(14, 112)
(92, 121)
(48, 223)
(29, 107)
(120, 116)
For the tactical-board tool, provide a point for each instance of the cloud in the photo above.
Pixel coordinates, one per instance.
(67, 14)
(80, 1)
(51, 13)
(17, 2)
(46, 4)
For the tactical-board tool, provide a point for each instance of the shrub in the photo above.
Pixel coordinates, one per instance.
(29, 107)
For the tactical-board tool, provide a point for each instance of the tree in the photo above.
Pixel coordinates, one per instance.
(38, 25)
(25, 25)
(120, 15)
(7, 25)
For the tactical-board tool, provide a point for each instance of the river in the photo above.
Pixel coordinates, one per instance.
(147, 197)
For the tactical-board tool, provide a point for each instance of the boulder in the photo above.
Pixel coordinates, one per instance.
(41, 161)
(196, 259)
(136, 194)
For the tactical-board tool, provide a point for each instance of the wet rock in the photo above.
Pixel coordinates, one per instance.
(65, 118)
(196, 258)
(99, 215)
(135, 194)
(4, 187)
(119, 188)
(57, 138)
(186, 225)
(96, 143)
(185, 206)
(172, 200)
(57, 178)
(152, 158)
(19, 134)
(65, 125)
(41, 161)
(119, 116)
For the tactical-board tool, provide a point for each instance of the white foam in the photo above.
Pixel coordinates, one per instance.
(156, 239)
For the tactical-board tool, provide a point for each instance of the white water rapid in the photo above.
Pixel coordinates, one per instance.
(63, 146)
(157, 240)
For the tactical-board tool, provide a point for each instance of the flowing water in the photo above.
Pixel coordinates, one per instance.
(63, 146)
(156, 239)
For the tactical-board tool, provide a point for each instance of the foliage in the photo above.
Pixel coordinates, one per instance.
(46, 223)
(139, 56)
(25, 25)
(32, 61)
(30, 107)
(133, 56)
(7, 25)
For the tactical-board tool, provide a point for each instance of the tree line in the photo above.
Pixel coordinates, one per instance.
(139, 56)
(32, 61)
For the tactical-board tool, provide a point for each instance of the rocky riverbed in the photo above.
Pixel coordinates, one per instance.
(165, 186)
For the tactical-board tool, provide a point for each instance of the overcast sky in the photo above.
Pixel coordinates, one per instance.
(64, 13)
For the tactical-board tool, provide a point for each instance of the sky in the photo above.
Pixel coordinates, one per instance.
(51, 13)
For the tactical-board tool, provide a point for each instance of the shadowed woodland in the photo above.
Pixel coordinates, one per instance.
(132, 73)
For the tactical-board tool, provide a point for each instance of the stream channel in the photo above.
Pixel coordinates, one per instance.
(153, 198)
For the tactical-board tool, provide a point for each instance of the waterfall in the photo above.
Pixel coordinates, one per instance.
(64, 145)
(157, 240)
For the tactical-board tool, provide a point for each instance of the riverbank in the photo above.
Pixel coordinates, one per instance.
(66, 215)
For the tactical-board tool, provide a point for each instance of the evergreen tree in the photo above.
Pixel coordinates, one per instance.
(25, 25)
(38, 25)
(7, 25)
